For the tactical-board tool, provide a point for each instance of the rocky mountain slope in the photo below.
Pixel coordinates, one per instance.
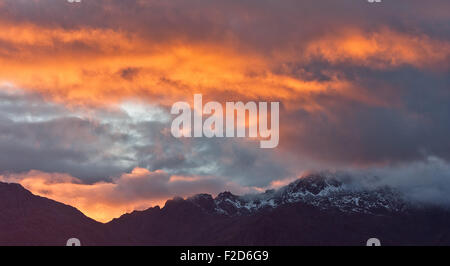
(322, 192)
(26, 219)
(314, 210)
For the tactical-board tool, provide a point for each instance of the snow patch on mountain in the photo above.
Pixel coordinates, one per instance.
(320, 190)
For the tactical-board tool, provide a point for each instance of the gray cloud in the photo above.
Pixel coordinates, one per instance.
(66, 145)
(37, 135)
(425, 182)
(407, 121)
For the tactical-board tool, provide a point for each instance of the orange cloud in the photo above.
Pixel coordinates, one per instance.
(380, 49)
(98, 66)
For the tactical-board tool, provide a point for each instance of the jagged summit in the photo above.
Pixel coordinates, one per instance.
(316, 209)
(314, 184)
(319, 190)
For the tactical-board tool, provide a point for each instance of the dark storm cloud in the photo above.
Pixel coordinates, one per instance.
(426, 181)
(258, 24)
(410, 122)
(44, 136)
(66, 145)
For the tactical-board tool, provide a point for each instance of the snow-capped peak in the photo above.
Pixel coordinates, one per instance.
(321, 191)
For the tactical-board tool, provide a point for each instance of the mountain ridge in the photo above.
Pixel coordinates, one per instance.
(313, 210)
(35, 220)
(316, 189)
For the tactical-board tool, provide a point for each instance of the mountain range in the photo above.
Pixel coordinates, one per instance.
(314, 210)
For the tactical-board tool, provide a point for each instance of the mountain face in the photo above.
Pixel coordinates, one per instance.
(26, 219)
(314, 210)
(325, 193)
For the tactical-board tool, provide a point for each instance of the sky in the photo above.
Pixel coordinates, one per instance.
(86, 90)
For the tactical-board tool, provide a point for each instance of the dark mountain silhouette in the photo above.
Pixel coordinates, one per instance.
(314, 210)
(26, 219)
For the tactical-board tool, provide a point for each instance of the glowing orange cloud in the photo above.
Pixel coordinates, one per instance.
(380, 49)
(97, 66)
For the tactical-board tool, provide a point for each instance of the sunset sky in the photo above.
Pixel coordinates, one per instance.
(86, 91)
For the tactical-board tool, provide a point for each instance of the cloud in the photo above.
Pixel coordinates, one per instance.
(425, 182)
(404, 119)
(47, 137)
(382, 48)
(172, 49)
(99, 144)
